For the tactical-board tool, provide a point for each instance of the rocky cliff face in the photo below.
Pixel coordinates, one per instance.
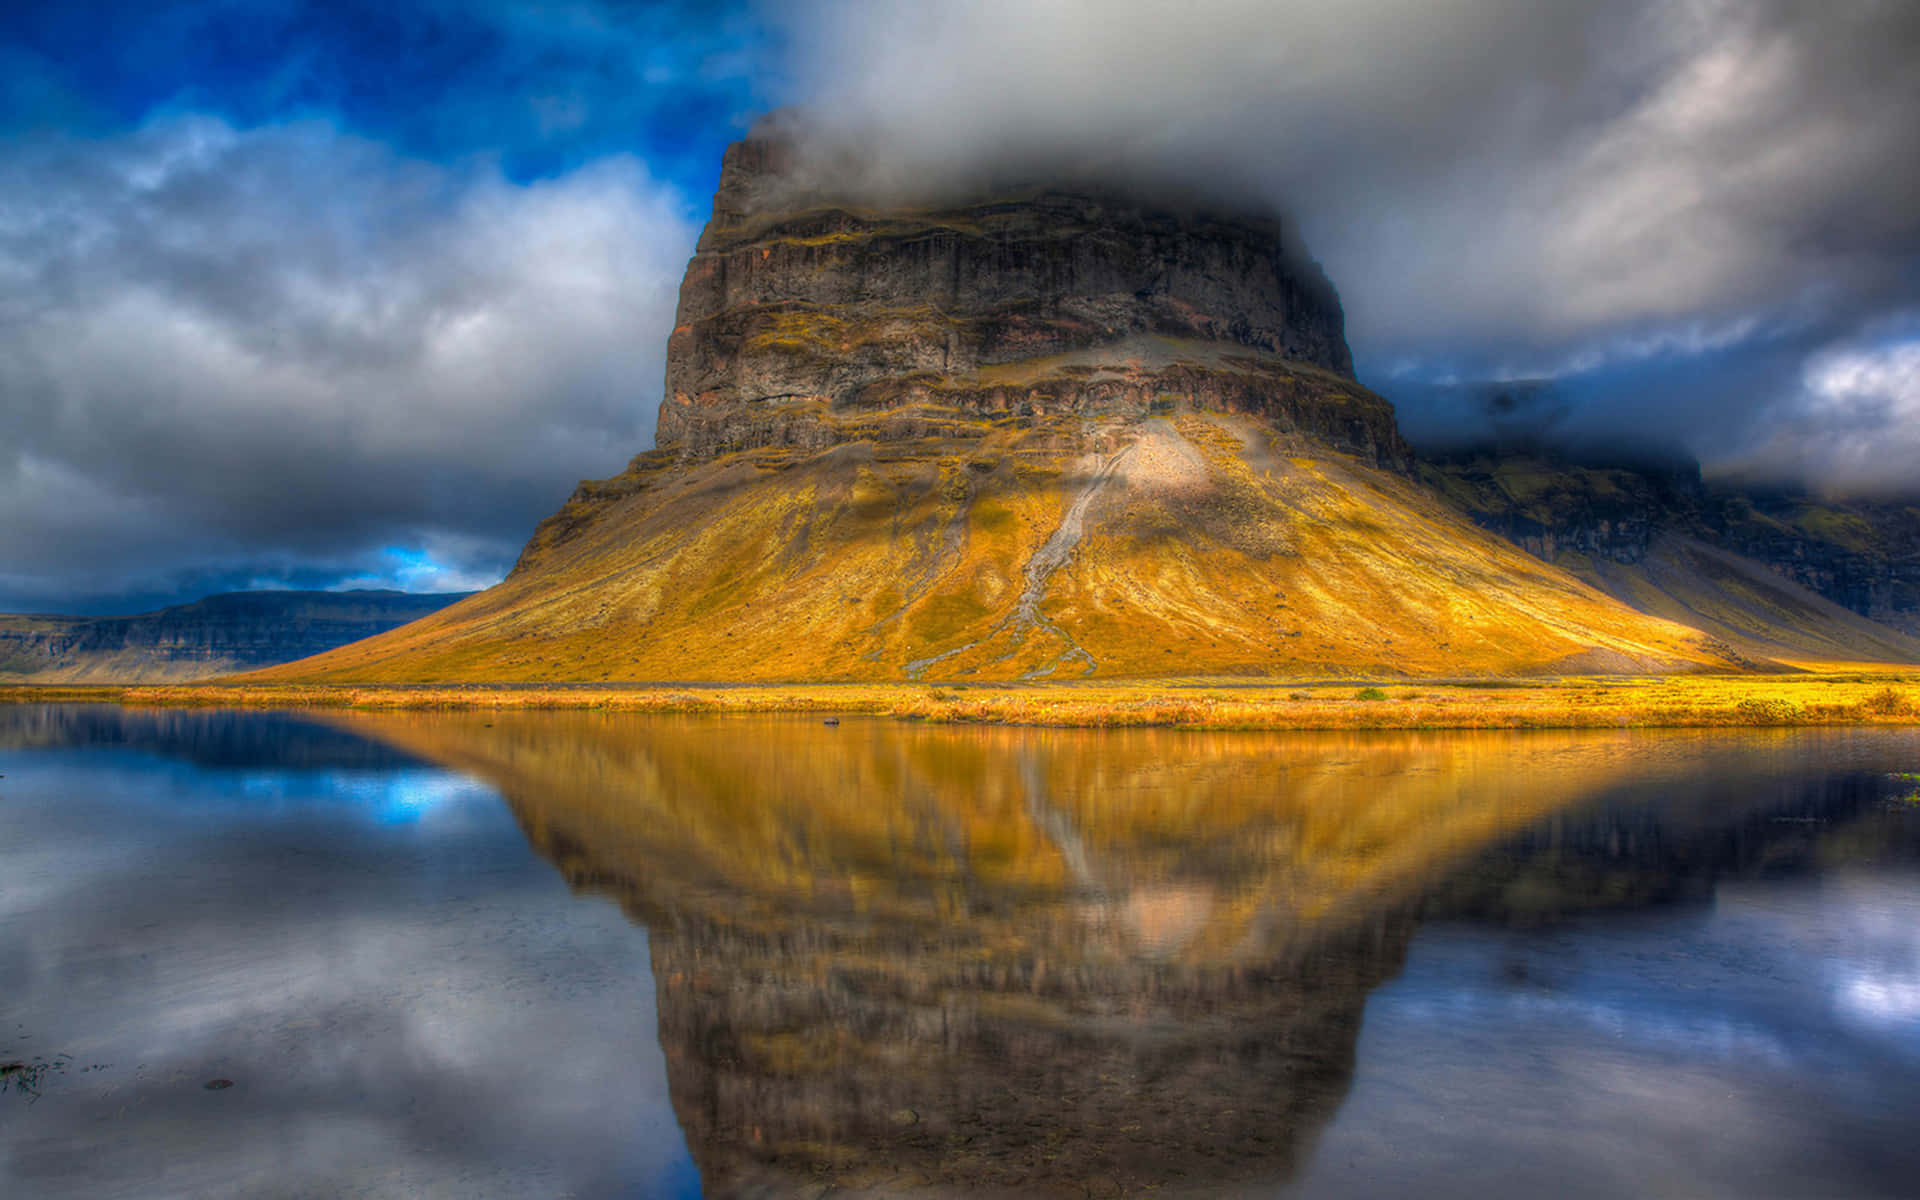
(232, 631)
(1552, 505)
(1862, 554)
(802, 310)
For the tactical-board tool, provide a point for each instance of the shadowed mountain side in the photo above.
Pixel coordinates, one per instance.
(1743, 603)
(1773, 574)
(1114, 544)
(1006, 962)
(217, 635)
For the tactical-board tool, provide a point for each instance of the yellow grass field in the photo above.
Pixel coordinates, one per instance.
(1869, 695)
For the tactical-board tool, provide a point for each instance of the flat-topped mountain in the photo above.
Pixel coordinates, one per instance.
(216, 635)
(1057, 431)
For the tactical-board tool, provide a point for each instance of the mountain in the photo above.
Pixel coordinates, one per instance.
(217, 635)
(1047, 432)
(1772, 572)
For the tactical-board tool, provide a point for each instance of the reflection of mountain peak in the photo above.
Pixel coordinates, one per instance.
(931, 1069)
(896, 958)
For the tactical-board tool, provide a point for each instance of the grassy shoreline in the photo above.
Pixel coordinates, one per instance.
(1685, 701)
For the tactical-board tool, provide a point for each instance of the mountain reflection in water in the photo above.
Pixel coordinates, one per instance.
(891, 957)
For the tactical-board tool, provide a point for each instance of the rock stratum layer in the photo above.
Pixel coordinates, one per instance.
(798, 313)
(1054, 433)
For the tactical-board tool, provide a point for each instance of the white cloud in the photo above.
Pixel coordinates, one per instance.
(287, 342)
(1853, 421)
(1887, 378)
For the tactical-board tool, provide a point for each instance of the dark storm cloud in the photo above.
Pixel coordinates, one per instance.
(1500, 188)
(287, 350)
(297, 293)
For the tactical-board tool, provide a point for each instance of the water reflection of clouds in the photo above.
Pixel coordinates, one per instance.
(396, 797)
(1871, 935)
(1850, 945)
(433, 1013)
(1703, 1035)
(1758, 1046)
(1885, 1000)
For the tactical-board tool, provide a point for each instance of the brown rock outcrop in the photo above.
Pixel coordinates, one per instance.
(803, 310)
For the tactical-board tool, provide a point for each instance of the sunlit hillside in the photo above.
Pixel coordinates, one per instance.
(1188, 543)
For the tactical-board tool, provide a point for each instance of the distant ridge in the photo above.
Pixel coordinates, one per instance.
(215, 635)
(1774, 573)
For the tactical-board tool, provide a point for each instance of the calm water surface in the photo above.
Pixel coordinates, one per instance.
(592, 955)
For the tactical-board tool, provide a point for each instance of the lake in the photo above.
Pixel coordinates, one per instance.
(578, 954)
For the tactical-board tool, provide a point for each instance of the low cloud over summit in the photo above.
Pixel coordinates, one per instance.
(1499, 188)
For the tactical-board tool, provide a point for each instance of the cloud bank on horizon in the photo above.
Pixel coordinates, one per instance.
(308, 294)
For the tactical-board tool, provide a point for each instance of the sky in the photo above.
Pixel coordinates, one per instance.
(353, 294)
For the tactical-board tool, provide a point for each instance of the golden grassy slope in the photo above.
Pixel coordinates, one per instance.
(1203, 544)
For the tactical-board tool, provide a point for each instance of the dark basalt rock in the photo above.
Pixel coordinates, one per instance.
(803, 310)
(1863, 555)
